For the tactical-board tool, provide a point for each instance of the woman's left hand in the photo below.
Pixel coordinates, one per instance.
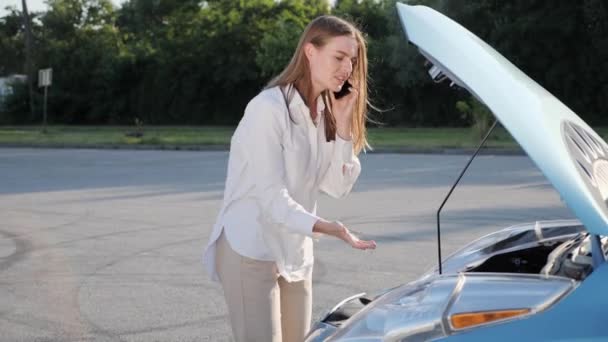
(343, 112)
(355, 242)
(339, 230)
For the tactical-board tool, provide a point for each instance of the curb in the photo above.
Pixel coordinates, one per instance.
(450, 150)
(379, 150)
(122, 147)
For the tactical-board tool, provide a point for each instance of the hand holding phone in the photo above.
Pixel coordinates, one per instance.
(343, 107)
(344, 91)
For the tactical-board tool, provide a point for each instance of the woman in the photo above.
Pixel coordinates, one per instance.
(294, 139)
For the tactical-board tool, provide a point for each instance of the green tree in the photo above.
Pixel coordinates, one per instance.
(84, 48)
(11, 43)
(279, 41)
(193, 62)
(562, 45)
(250, 36)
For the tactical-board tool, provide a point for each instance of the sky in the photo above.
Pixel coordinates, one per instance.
(32, 5)
(39, 5)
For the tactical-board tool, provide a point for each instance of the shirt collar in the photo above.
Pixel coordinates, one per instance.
(296, 101)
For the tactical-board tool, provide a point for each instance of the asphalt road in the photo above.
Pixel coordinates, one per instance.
(105, 245)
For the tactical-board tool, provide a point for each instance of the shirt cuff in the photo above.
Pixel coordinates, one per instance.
(303, 222)
(345, 148)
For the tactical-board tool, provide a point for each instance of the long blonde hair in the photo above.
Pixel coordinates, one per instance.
(318, 32)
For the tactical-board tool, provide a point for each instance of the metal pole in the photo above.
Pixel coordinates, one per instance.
(452, 189)
(44, 115)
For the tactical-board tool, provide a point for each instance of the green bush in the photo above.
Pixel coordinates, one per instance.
(477, 114)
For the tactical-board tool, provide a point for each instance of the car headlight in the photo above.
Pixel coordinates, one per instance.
(415, 308)
(445, 305)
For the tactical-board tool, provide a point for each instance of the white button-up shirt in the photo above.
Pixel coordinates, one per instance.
(276, 168)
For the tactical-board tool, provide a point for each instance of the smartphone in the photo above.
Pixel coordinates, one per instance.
(344, 91)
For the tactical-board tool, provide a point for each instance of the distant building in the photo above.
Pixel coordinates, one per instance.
(6, 86)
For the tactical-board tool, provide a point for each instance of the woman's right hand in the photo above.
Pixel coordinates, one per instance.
(340, 231)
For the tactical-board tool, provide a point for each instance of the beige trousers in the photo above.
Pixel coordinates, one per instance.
(262, 305)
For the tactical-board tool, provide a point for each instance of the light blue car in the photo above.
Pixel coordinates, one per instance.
(543, 281)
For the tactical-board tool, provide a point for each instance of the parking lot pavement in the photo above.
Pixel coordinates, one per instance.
(106, 245)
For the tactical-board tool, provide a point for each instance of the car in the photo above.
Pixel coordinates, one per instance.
(538, 281)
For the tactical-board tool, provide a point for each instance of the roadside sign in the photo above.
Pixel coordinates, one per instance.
(45, 77)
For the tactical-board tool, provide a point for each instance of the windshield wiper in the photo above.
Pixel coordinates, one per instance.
(483, 141)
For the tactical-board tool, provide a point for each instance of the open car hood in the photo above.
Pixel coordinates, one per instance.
(568, 152)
